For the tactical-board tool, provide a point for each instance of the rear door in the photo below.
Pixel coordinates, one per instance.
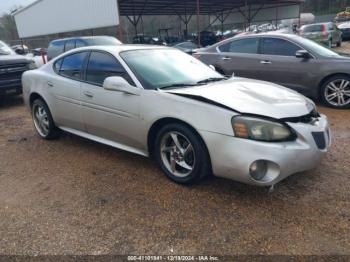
(239, 57)
(65, 87)
(109, 114)
(279, 64)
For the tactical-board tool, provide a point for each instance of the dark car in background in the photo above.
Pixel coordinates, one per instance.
(146, 40)
(323, 33)
(285, 59)
(345, 29)
(12, 66)
(208, 38)
(60, 46)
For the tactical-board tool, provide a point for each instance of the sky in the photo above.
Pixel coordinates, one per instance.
(7, 5)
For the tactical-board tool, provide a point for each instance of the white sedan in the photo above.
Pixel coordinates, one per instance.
(161, 102)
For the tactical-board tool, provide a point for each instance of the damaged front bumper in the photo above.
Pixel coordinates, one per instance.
(232, 157)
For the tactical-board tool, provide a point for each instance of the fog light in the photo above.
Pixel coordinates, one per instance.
(258, 170)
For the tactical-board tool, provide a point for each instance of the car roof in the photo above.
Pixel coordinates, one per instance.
(81, 37)
(317, 24)
(267, 34)
(120, 48)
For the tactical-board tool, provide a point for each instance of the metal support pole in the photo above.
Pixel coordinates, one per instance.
(198, 27)
(246, 15)
(222, 24)
(120, 29)
(299, 15)
(276, 17)
(249, 16)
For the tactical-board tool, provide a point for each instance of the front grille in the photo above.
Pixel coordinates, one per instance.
(320, 139)
(11, 74)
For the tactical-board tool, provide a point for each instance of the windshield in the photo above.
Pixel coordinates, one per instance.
(5, 49)
(166, 68)
(317, 48)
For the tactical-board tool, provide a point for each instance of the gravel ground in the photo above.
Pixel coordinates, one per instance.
(74, 196)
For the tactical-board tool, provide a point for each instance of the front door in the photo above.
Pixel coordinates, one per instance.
(108, 114)
(279, 64)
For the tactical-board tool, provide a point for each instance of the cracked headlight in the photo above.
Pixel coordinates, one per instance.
(261, 129)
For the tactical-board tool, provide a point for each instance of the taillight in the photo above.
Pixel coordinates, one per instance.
(324, 30)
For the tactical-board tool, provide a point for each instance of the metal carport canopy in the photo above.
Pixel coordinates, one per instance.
(188, 7)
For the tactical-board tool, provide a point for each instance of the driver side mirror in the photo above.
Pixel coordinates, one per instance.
(119, 84)
(302, 54)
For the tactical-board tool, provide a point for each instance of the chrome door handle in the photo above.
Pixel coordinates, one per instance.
(50, 84)
(88, 94)
(265, 62)
(226, 58)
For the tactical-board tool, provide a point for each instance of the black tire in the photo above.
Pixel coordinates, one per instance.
(52, 131)
(339, 43)
(202, 165)
(323, 91)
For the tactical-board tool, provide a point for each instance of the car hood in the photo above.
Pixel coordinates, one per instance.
(13, 59)
(251, 97)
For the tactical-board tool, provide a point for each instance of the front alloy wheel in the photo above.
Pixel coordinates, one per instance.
(181, 154)
(336, 92)
(177, 154)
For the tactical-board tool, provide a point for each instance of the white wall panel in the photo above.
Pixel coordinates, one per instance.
(45, 17)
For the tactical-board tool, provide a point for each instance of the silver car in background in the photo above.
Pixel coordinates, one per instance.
(163, 103)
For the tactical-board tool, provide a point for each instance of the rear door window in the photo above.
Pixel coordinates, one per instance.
(277, 46)
(72, 65)
(246, 46)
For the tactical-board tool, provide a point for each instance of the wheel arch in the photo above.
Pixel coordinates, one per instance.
(155, 128)
(325, 79)
(33, 97)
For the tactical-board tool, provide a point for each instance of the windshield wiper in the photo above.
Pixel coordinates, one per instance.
(177, 85)
(212, 79)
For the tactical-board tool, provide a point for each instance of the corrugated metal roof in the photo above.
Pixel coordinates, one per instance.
(176, 7)
(182, 7)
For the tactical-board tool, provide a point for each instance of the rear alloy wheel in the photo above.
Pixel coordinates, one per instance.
(336, 92)
(43, 121)
(181, 154)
